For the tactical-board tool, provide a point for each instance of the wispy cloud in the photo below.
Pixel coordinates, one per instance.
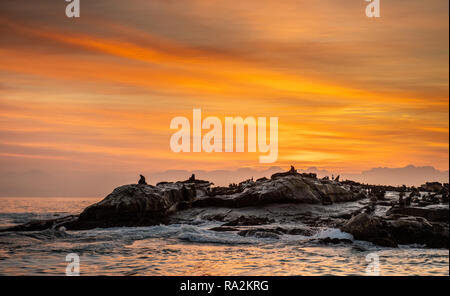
(101, 91)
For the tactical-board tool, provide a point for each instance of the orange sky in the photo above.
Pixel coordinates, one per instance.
(98, 93)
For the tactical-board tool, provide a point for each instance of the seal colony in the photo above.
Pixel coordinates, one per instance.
(413, 218)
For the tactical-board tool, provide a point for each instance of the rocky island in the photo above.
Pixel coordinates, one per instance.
(384, 215)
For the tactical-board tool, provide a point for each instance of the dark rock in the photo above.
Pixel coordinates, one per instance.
(369, 228)
(401, 230)
(309, 175)
(385, 203)
(335, 241)
(432, 187)
(284, 188)
(43, 224)
(361, 195)
(134, 205)
(431, 214)
(299, 231)
(217, 217)
(249, 221)
(346, 215)
(224, 229)
(128, 205)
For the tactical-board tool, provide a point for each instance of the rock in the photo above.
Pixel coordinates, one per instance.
(369, 228)
(378, 192)
(445, 198)
(361, 195)
(248, 221)
(135, 205)
(335, 241)
(346, 215)
(309, 175)
(385, 203)
(431, 214)
(43, 224)
(223, 229)
(286, 187)
(217, 217)
(299, 231)
(431, 187)
(278, 231)
(260, 233)
(397, 230)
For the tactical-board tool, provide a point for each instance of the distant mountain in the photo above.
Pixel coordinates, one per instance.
(98, 184)
(409, 175)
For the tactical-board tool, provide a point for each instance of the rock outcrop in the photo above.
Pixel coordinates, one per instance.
(394, 230)
(142, 204)
(432, 187)
(135, 205)
(289, 187)
(413, 219)
(128, 205)
(430, 214)
(43, 224)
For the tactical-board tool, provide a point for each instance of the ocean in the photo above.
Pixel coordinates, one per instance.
(191, 248)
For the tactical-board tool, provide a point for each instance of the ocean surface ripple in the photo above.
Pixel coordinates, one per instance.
(189, 249)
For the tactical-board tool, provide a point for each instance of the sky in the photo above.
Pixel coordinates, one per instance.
(95, 95)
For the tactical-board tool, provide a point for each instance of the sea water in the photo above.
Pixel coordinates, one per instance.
(189, 249)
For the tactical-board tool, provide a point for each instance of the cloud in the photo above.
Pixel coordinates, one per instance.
(98, 93)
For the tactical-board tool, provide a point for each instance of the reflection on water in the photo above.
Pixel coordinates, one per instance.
(189, 250)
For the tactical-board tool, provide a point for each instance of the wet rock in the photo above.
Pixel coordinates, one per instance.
(361, 195)
(430, 214)
(43, 224)
(224, 229)
(249, 221)
(335, 241)
(346, 215)
(260, 233)
(217, 217)
(135, 205)
(431, 187)
(309, 175)
(289, 187)
(128, 205)
(369, 228)
(385, 203)
(299, 231)
(397, 230)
